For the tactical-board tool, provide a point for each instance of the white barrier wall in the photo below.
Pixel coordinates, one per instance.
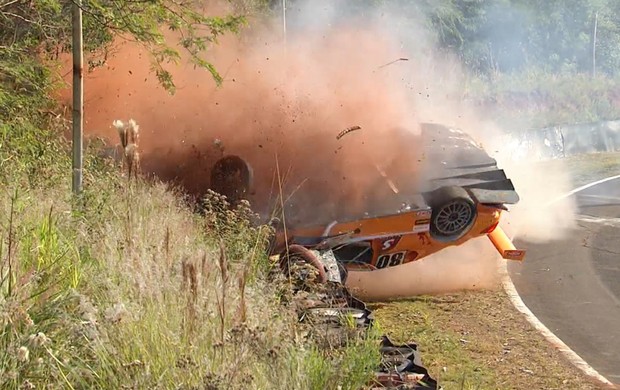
(565, 140)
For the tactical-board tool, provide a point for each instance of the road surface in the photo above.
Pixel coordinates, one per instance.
(573, 285)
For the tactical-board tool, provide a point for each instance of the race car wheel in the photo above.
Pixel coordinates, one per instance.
(453, 213)
(297, 257)
(232, 177)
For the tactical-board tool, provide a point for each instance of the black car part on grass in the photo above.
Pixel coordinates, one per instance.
(401, 367)
(324, 310)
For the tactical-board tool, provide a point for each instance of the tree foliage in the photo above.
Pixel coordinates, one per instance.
(556, 36)
(506, 36)
(35, 31)
(491, 37)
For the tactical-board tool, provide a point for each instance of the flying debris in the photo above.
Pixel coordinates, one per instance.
(392, 62)
(347, 131)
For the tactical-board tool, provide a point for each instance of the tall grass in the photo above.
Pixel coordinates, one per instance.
(128, 286)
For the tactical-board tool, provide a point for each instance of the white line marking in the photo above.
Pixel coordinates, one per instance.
(602, 221)
(584, 187)
(518, 303)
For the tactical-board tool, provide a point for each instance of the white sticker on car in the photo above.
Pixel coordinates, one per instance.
(421, 228)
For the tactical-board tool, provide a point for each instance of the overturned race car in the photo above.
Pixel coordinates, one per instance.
(462, 199)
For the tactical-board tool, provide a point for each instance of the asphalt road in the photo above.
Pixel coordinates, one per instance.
(573, 285)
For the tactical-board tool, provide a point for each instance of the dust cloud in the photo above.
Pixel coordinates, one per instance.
(281, 106)
(536, 218)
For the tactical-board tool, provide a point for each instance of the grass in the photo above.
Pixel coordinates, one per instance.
(477, 340)
(586, 168)
(128, 286)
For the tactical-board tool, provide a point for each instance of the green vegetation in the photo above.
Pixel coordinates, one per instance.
(585, 168)
(529, 63)
(127, 286)
(535, 63)
(31, 31)
(537, 99)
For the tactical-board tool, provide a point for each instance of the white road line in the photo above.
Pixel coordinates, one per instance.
(602, 221)
(518, 303)
(584, 187)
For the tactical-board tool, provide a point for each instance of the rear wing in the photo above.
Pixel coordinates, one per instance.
(504, 245)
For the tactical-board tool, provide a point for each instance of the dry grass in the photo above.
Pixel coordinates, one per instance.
(140, 293)
(127, 287)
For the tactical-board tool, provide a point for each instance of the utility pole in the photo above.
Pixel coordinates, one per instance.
(78, 97)
(284, 20)
(594, 45)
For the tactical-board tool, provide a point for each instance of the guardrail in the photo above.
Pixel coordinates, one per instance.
(565, 140)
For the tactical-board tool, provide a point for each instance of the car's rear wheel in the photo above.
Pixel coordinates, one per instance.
(231, 176)
(453, 213)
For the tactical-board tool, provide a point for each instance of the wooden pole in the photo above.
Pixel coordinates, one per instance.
(78, 97)
(594, 45)
(284, 20)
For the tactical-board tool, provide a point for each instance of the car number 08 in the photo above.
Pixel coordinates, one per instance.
(390, 260)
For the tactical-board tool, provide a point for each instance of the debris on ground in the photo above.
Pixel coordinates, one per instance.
(334, 318)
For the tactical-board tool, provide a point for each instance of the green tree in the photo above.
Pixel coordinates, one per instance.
(554, 35)
(34, 32)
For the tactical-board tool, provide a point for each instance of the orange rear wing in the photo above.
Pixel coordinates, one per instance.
(504, 245)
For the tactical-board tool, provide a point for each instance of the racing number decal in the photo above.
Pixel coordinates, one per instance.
(390, 260)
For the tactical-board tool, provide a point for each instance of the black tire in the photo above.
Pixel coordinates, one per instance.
(453, 213)
(232, 177)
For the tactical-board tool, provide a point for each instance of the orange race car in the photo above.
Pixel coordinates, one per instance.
(464, 200)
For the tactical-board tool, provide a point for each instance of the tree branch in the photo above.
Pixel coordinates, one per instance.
(18, 17)
(9, 3)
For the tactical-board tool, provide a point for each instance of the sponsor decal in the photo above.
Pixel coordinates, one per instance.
(514, 254)
(422, 225)
(421, 228)
(390, 242)
(423, 214)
